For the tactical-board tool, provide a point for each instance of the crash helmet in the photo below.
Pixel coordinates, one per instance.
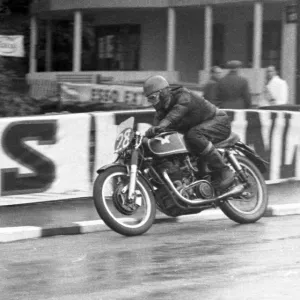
(154, 84)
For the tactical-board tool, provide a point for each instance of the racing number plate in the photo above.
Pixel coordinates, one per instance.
(123, 140)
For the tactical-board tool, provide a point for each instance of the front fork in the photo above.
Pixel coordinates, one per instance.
(133, 174)
(134, 167)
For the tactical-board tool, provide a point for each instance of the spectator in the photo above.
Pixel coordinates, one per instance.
(233, 89)
(210, 88)
(276, 89)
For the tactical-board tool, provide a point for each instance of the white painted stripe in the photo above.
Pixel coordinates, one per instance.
(9, 234)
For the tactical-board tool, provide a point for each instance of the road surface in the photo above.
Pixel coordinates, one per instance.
(194, 260)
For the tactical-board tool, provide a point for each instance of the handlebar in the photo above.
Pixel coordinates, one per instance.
(165, 133)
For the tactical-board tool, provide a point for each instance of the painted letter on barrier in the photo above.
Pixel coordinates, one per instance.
(43, 169)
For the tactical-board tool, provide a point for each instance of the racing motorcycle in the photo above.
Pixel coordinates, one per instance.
(161, 173)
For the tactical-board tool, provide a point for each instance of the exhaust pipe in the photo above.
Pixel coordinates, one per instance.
(196, 202)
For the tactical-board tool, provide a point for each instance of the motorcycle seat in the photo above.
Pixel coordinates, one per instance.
(230, 141)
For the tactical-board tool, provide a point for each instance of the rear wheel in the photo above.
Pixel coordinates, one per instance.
(251, 205)
(113, 206)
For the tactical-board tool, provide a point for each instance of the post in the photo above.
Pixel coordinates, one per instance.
(171, 39)
(208, 36)
(33, 43)
(257, 35)
(49, 46)
(288, 65)
(77, 40)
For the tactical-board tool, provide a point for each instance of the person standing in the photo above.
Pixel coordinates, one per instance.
(233, 89)
(210, 88)
(276, 89)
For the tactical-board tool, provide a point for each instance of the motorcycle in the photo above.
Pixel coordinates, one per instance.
(161, 173)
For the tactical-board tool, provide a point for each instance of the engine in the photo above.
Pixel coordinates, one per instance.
(184, 172)
(181, 170)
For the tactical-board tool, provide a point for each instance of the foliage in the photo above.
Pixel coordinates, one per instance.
(15, 20)
(16, 105)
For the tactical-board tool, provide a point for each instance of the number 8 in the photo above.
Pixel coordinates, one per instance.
(126, 138)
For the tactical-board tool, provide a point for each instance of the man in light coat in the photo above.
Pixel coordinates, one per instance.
(276, 89)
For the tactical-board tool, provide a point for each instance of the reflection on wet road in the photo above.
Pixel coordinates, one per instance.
(203, 260)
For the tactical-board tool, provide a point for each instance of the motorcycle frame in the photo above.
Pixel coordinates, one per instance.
(181, 201)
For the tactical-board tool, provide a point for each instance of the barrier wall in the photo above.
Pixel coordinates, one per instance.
(56, 157)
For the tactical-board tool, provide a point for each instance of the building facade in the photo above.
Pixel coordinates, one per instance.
(180, 39)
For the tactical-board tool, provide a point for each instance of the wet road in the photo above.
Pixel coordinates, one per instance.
(198, 260)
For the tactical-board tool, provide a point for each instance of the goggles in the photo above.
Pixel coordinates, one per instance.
(153, 98)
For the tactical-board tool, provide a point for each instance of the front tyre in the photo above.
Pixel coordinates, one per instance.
(113, 207)
(251, 205)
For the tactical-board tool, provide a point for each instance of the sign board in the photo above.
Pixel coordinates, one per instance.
(12, 45)
(101, 93)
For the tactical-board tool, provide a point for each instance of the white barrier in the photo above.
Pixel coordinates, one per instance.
(44, 157)
(105, 135)
(276, 138)
(56, 157)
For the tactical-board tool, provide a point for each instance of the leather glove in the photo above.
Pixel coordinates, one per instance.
(152, 131)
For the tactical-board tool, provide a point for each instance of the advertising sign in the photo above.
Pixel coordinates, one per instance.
(44, 158)
(56, 157)
(103, 93)
(12, 45)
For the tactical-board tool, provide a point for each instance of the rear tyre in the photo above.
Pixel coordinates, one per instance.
(252, 204)
(112, 207)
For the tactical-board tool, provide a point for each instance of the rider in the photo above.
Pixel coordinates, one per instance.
(201, 122)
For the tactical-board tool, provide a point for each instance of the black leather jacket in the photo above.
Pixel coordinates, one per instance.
(185, 110)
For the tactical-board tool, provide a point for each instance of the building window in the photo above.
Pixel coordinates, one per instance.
(271, 44)
(118, 47)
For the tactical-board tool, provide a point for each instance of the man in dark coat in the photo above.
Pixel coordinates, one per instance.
(210, 88)
(233, 89)
(201, 122)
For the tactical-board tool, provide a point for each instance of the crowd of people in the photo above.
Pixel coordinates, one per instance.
(232, 89)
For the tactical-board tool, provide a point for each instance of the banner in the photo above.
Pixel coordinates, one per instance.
(56, 157)
(44, 158)
(101, 93)
(12, 45)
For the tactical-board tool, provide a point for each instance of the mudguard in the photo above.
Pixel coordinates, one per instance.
(253, 156)
(105, 167)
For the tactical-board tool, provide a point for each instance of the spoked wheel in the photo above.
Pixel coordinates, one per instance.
(116, 210)
(252, 203)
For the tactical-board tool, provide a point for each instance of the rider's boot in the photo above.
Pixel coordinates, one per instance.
(224, 176)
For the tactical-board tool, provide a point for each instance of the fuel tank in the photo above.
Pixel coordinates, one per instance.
(168, 144)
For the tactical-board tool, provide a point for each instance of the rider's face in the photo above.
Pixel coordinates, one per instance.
(154, 98)
(160, 99)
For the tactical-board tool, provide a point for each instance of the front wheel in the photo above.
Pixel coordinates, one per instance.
(113, 206)
(251, 205)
